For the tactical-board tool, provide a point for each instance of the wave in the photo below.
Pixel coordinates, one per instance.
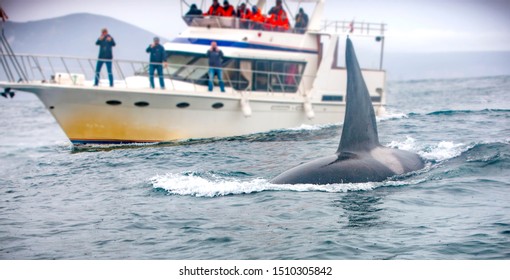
(462, 112)
(450, 80)
(391, 115)
(456, 112)
(441, 151)
(488, 152)
(305, 127)
(109, 147)
(212, 185)
(303, 132)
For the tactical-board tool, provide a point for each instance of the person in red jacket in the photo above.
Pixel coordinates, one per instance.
(277, 17)
(257, 19)
(228, 10)
(244, 14)
(215, 10)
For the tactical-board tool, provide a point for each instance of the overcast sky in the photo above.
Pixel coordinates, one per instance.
(413, 25)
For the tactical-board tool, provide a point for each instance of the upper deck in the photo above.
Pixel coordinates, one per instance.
(242, 37)
(315, 24)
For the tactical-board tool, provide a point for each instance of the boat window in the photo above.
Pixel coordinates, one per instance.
(261, 76)
(113, 102)
(188, 67)
(333, 98)
(245, 67)
(276, 80)
(217, 105)
(277, 76)
(177, 63)
(240, 74)
(182, 105)
(141, 104)
(192, 67)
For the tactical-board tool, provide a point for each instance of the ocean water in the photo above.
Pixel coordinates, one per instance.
(210, 199)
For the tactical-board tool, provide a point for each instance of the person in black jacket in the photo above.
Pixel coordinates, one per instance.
(194, 12)
(158, 57)
(215, 56)
(301, 21)
(105, 43)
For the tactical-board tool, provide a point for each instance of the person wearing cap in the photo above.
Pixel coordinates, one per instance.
(105, 43)
(157, 58)
(215, 56)
(228, 10)
(215, 10)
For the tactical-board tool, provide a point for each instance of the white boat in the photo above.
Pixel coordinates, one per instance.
(273, 80)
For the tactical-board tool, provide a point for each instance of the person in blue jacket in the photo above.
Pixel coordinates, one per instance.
(105, 43)
(158, 58)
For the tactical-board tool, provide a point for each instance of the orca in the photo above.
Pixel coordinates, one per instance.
(360, 157)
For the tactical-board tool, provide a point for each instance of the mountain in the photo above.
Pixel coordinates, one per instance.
(76, 35)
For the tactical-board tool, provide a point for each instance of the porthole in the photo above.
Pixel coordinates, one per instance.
(142, 104)
(217, 105)
(183, 105)
(113, 102)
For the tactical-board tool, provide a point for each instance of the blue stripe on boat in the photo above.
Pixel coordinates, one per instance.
(236, 44)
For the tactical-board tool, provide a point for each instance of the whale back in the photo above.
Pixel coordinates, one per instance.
(359, 132)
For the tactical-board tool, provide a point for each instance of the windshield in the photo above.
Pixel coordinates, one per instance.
(240, 74)
(185, 67)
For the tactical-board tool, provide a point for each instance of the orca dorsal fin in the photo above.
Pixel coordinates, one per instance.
(359, 129)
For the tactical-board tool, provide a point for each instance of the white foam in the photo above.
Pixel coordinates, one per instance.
(193, 185)
(443, 151)
(309, 127)
(408, 145)
(390, 115)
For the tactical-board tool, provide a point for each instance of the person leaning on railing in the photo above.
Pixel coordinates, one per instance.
(157, 59)
(277, 18)
(228, 10)
(193, 13)
(257, 19)
(215, 10)
(244, 15)
(105, 43)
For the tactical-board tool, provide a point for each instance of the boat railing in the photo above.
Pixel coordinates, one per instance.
(358, 28)
(80, 71)
(353, 27)
(234, 23)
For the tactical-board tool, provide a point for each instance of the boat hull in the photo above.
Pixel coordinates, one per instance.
(109, 115)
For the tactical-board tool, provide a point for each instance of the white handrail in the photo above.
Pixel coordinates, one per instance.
(49, 65)
(353, 27)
